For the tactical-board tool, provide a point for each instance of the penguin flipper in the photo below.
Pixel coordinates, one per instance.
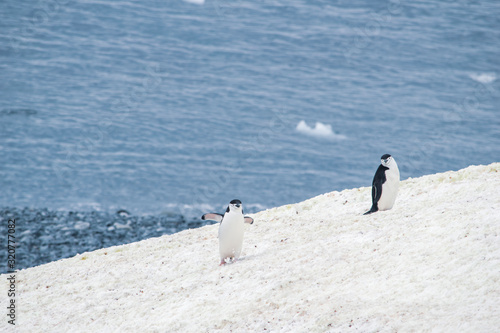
(212, 216)
(376, 193)
(248, 220)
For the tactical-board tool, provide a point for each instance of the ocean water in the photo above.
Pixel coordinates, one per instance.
(171, 106)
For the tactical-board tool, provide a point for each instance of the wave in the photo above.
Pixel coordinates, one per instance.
(14, 111)
(319, 130)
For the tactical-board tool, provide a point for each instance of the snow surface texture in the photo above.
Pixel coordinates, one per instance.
(430, 263)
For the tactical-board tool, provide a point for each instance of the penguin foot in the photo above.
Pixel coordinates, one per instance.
(370, 211)
(225, 261)
(228, 260)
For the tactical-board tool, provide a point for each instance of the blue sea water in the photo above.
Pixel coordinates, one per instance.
(169, 106)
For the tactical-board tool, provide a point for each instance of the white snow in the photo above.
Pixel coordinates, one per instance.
(432, 263)
(319, 130)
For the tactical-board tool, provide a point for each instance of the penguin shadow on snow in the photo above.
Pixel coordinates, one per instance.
(231, 230)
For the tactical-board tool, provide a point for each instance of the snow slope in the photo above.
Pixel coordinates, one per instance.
(430, 263)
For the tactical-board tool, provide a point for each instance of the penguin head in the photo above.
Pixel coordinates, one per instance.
(235, 206)
(386, 160)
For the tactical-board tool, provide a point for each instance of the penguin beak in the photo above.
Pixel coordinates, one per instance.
(237, 205)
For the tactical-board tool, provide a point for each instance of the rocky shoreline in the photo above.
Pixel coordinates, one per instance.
(44, 235)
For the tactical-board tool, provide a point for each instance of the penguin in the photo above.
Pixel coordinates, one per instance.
(385, 185)
(231, 229)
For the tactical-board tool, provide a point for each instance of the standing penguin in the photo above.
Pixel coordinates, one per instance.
(231, 229)
(385, 185)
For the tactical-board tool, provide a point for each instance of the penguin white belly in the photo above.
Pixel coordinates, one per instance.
(231, 232)
(389, 190)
